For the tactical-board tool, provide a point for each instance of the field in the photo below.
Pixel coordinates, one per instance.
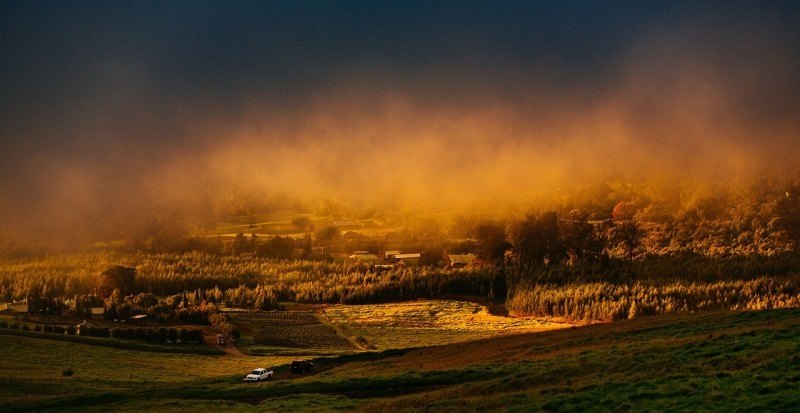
(340, 329)
(720, 361)
(427, 323)
(288, 332)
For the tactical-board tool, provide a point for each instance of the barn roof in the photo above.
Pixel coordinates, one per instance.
(364, 257)
(406, 256)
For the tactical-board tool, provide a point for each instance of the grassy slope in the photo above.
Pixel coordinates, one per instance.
(715, 362)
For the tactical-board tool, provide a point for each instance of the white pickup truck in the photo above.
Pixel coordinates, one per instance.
(259, 374)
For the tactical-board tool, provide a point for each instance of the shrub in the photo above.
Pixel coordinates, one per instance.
(3, 324)
(221, 324)
(71, 330)
(26, 327)
(161, 334)
(172, 335)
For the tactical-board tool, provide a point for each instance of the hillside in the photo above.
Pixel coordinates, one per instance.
(725, 361)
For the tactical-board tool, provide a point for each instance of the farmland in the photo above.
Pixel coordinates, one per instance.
(428, 322)
(722, 361)
(293, 331)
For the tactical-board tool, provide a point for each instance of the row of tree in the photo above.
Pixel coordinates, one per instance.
(603, 301)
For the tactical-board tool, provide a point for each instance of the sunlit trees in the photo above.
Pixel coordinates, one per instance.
(604, 301)
(627, 236)
(788, 210)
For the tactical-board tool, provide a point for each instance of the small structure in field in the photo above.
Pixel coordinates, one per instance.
(137, 319)
(460, 260)
(16, 307)
(406, 259)
(97, 312)
(364, 257)
(389, 255)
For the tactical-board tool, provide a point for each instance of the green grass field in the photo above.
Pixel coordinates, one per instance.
(735, 361)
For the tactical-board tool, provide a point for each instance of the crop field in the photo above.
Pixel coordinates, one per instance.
(286, 330)
(427, 323)
(722, 361)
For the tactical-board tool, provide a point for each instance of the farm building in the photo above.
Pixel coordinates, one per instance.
(460, 260)
(137, 318)
(97, 312)
(406, 259)
(364, 257)
(388, 255)
(18, 307)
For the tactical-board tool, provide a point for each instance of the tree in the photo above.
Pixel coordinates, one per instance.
(239, 245)
(253, 242)
(492, 242)
(582, 241)
(118, 277)
(788, 211)
(628, 236)
(277, 247)
(537, 240)
(327, 235)
(302, 222)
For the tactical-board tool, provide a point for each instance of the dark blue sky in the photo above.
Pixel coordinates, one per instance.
(225, 53)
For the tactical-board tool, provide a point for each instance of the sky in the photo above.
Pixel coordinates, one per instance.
(110, 109)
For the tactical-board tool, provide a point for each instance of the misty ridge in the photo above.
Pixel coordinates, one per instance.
(674, 119)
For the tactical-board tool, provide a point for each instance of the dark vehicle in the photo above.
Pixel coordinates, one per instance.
(302, 366)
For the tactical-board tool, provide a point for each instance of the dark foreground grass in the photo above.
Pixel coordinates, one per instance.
(748, 361)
